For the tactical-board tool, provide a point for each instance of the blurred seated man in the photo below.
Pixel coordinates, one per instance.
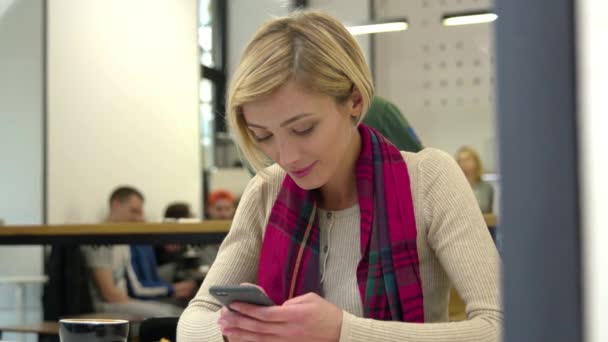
(179, 262)
(172, 253)
(109, 264)
(145, 282)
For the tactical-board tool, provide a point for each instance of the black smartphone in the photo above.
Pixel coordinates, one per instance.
(242, 293)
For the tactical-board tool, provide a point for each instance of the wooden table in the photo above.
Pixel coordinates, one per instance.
(50, 330)
(42, 329)
(110, 233)
(127, 233)
(491, 220)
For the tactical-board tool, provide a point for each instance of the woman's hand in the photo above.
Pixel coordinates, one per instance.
(304, 318)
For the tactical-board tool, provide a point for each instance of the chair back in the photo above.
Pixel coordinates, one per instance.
(67, 291)
(155, 329)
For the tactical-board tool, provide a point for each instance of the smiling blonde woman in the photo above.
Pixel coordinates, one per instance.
(351, 238)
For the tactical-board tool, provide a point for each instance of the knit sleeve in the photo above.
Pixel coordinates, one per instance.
(236, 262)
(459, 237)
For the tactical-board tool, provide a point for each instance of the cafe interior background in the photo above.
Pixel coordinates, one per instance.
(94, 94)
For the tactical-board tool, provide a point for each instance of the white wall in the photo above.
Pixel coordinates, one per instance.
(234, 179)
(123, 105)
(21, 155)
(440, 77)
(592, 75)
(21, 113)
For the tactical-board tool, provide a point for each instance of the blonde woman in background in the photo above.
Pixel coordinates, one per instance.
(470, 163)
(352, 239)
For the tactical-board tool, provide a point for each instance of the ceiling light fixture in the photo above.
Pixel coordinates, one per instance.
(378, 27)
(468, 18)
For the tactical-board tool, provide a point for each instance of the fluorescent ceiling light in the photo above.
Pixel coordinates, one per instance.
(395, 25)
(468, 19)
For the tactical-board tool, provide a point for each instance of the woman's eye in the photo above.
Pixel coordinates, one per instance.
(305, 131)
(264, 138)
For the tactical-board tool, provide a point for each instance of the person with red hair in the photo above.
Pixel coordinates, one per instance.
(221, 205)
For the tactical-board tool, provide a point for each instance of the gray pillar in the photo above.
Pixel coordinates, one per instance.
(538, 157)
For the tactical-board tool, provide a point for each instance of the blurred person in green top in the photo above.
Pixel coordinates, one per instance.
(388, 120)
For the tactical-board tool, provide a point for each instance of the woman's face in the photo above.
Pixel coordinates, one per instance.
(308, 135)
(467, 164)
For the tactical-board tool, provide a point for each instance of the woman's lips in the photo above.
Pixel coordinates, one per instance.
(303, 172)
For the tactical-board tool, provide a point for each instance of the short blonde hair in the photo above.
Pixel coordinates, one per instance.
(475, 156)
(311, 48)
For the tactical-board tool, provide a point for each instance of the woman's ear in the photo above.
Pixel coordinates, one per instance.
(356, 103)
